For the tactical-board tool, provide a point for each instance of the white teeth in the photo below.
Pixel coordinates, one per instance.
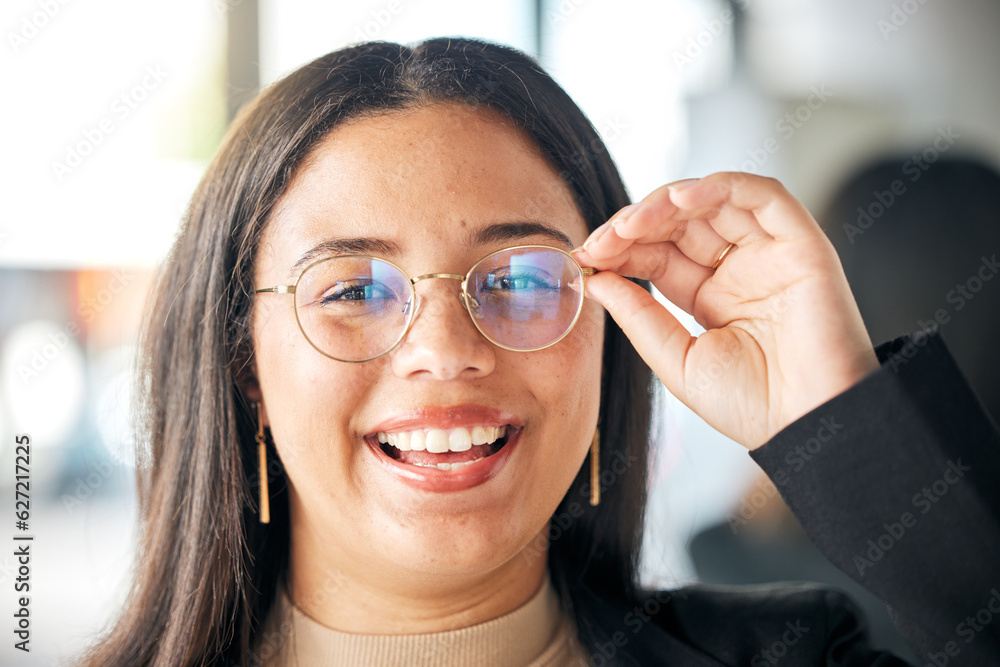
(439, 441)
(418, 441)
(449, 466)
(402, 442)
(459, 440)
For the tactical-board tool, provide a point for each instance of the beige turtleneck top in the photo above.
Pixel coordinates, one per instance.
(537, 634)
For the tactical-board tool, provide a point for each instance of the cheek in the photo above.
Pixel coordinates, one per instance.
(309, 398)
(590, 327)
(586, 340)
(567, 387)
(568, 376)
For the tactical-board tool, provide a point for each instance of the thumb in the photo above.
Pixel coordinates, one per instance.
(657, 336)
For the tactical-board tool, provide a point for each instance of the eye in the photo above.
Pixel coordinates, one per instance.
(516, 279)
(359, 292)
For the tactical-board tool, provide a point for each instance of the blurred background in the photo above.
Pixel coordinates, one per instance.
(881, 116)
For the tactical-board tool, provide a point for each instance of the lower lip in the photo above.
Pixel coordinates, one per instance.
(446, 481)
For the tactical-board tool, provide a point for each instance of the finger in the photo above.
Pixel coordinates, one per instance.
(677, 276)
(746, 203)
(699, 241)
(657, 218)
(696, 238)
(656, 223)
(731, 224)
(611, 244)
(657, 336)
(604, 242)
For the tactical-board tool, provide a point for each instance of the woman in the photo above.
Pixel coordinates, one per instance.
(430, 446)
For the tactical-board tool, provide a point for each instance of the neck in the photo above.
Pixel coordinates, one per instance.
(366, 598)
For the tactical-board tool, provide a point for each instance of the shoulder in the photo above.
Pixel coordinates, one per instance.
(770, 608)
(799, 623)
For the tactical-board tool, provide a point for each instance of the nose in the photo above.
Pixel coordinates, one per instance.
(442, 342)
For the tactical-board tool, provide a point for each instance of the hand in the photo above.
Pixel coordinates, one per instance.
(783, 334)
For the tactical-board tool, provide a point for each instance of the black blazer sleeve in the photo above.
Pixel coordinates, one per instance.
(897, 481)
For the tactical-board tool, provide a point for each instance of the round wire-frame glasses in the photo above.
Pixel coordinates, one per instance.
(522, 298)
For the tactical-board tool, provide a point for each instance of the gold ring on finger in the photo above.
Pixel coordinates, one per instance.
(723, 255)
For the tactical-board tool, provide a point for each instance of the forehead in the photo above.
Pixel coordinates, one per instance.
(435, 173)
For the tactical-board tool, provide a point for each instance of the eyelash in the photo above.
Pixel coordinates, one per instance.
(343, 293)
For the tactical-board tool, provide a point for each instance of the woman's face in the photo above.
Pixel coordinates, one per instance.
(432, 190)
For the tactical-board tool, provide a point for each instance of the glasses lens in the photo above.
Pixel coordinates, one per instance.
(353, 308)
(522, 297)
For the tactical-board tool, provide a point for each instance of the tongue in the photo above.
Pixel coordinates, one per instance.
(427, 458)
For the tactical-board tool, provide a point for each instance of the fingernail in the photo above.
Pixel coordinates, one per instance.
(683, 185)
(623, 215)
(596, 234)
(582, 257)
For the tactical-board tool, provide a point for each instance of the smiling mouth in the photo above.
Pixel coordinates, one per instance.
(444, 449)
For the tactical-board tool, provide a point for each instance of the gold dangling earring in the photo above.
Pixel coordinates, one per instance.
(265, 507)
(595, 467)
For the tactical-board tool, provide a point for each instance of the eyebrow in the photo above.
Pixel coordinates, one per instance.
(502, 232)
(344, 246)
(516, 231)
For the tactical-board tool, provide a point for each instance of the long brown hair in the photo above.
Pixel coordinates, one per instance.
(207, 571)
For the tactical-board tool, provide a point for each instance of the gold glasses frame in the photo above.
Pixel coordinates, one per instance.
(467, 301)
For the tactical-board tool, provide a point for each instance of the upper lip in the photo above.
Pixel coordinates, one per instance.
(442, 417)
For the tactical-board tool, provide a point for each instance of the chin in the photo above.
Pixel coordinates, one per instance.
(467, 546)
